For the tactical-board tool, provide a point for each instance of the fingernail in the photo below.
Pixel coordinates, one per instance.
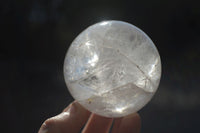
(132, 116)
(43, 129)
(73, 108)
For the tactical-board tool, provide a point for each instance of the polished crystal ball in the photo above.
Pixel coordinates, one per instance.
(112, 68)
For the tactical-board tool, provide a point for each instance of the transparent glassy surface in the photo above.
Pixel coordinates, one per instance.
(112, 68)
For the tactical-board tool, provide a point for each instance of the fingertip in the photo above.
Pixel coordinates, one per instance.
(76, 107)
(69, 106)
(127, 124)
(131, 123)
(43, 128)
(70, 120)
(98, 124)
(49, 123)
(133, 117)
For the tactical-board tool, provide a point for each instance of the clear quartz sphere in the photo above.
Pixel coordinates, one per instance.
(112, 68)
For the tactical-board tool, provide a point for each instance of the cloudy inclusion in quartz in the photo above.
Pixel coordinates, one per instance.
(112, 68)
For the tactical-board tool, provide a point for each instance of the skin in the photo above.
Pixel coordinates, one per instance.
(75, 118)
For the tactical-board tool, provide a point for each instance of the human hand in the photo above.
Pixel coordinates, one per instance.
(74, 117)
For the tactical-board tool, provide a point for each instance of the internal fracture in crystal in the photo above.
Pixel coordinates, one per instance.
(112, 68)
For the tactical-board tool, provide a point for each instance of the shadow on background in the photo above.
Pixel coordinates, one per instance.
(35, 36)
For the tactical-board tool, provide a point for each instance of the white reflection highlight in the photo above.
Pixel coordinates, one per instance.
(104, 23)
(93, 60)
(88, 44)
(120, 109)
(153, 68)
